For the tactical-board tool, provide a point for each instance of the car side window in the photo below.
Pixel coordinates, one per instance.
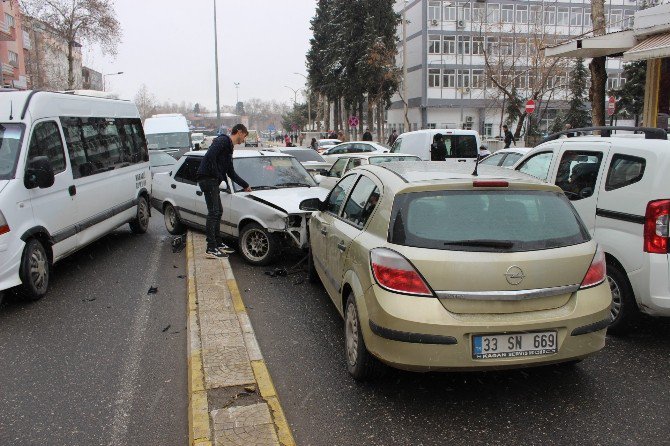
(578, 172)
(396, 146)
(342, 149)
(493, 160)
(336, 197)
(338, 168)
(624, 170)
(188, 172)
(510, 159)
(355, 162)
(46, 141)
(361, 202)
(537, 166)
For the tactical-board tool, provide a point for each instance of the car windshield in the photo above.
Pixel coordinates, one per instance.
(493, 221)
(157, 158)
(272, 172)
(10, 146)
(329, 142)
(161, 141)
(390, 159)
(305, 155)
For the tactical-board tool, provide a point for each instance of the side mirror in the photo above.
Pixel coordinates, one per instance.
(586, 192)
(318, 178)
(39, 173)
(311, 204)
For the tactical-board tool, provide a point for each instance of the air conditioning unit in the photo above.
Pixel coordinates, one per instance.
(434, 22)
(460, 24)
(469, 119)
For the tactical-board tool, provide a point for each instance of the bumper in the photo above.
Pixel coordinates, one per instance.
(651, 285)
(431, 338)
(10, 262)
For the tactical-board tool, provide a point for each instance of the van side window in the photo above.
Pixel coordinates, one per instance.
(578, 172)
(46, 141)
(624, 170)
(188, 172)
(537, 165)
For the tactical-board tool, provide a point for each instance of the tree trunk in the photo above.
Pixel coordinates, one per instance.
(360, 117)
(370, 118)
(519, 126)
(597, 91)
(70, 66)
(336, 114)
(326, 106)
(345, 122)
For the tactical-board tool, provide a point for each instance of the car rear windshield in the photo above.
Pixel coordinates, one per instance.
(305, 155)
(391, 159)
(168, 141)
(10, 146)
(486, 221)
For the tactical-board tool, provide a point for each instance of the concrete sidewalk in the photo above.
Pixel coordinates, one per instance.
(232, 400)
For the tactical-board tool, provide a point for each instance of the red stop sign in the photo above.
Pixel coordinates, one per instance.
(611, 105)
(530, 106)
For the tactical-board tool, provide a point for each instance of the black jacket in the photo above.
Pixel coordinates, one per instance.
(218, 162)
(509, 138)
(367, 136)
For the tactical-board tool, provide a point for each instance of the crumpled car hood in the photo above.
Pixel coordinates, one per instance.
(288, 199)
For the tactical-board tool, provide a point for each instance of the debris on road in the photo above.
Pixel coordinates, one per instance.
(153, 290)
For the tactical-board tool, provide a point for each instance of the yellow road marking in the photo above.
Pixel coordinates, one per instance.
(235, 294)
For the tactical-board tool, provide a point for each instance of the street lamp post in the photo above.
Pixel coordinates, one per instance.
(309, 106)
(216, 70)
(237, 93)
(104, 79)
(295, 94)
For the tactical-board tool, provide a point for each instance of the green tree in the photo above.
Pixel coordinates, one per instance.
(558, 124)
(631, 94)
(577, 115)
(513, 109)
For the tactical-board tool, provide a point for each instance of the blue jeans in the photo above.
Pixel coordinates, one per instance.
(210, 188)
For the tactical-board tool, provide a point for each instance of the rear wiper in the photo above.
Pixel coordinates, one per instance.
(294, 185)
(502, 244)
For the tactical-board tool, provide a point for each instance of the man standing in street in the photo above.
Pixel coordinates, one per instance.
(509, 138)
(216, 166)
(392, 137)
(367, 136)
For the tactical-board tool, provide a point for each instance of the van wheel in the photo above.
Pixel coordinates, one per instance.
(312, 275)
(360, 363)
(172, 222)
(257, 245)
(624, 311)
(35, 269)
(141, 223)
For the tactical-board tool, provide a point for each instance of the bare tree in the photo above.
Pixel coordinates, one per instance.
(145, 102)
(598, 66)
(78, 21)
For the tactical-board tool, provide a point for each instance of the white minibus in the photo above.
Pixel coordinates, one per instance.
(168, 132)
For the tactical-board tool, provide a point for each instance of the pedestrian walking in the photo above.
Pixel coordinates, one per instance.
(340, 136)
(367, 136)
(314, 145)
(438, 149)
(215, 168)
(509, 138)
(393, 137)
(332, 135)
(287, 140)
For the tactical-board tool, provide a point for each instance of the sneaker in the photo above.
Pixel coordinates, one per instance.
(215, 254)
(225, 248)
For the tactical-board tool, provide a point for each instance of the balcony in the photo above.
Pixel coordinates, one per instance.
(6, 32)
(27, 45)
(7, 69)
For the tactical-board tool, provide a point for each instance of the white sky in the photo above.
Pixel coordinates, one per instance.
(169, 46)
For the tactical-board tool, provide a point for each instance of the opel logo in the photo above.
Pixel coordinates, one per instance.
(514, 275)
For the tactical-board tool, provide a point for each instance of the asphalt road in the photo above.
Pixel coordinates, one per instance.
(99, 361)
(621, 396)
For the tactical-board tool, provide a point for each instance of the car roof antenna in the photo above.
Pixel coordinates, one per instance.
(474, 173)
(11, 110)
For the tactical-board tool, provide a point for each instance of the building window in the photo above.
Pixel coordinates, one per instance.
(464, 12)
(535, 14)
(587, 17)
(434, 10)
(612, 83)
(463, 44)
(478, 45)
(13, 58)
(507, 13)
(576, 15)
(463, 78)
(9, 20)
(433, 77)
(520, 80)
(521, 46)
(431, 125)
(521, 14)
(434, 43)
(449, 79)
(616, 18)
(488, 129)
(479, 13)
(449, 12)
(628, 18)
(449, 45)
(550, 15)
(492, 46)
(493, 13)
(478, 80)
(563, 17)
(507, 46)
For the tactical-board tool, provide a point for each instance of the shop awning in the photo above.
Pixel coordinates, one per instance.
(653, 47)
(607, 45)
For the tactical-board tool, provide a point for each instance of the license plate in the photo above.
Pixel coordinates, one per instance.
(514, 345)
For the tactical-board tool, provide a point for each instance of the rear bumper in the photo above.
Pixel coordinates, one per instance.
(415, 333)
(651, 285)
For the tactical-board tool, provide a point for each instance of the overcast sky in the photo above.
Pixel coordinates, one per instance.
(169, 46)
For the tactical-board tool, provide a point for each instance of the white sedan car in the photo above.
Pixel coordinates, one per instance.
(347, 162)
(346, 148)
(505, 157)
(263, 220)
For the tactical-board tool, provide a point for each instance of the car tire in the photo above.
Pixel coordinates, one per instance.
(35, 271)
(362, 366)
(140, 224)
(172, 222)
(312, 275)
(257, 245)
(624, 310)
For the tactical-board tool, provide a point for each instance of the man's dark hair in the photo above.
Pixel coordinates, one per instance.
(504, 126)
(239, 128)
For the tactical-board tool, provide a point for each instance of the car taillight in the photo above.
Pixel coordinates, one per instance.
(4, 227)
(656, 227)
(394, 272)
(597, 271)
(489, 183)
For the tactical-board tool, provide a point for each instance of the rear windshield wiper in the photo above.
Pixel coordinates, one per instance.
(294, 185)
(502, 244)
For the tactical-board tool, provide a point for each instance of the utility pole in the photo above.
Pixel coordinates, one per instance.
(309, 105)
(237, 93)
(404, 65)
(216, 69)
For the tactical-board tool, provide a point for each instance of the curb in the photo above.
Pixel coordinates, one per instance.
(217, 313)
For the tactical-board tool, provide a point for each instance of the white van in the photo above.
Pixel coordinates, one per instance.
(72, 169)
(168, 132)
(462, 145)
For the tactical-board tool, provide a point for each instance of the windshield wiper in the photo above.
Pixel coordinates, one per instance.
(502, 244)
(263, 187)
(294, 185)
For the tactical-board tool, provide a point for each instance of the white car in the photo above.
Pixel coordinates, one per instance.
(620, 187)
(325, 144)
(505, 157)
(309, 158)
(348, 162)
(160, 161)
(346, 148)
(263, 220)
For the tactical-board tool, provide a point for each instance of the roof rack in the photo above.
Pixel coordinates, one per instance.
(606, 132)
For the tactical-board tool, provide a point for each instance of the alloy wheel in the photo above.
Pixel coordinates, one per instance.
(351, 334)
(615, 309)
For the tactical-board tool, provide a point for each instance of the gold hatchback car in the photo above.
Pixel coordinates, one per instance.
(434, 268)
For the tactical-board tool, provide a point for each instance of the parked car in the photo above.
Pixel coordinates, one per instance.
(436, 269)
(263, 220)
(462, 145)
(331, 155)
(160, 161)
(253, 139)
(325, 144)
(309, 158)
(620, 187)
(168, 132)
(505, 157)
(72, 169)
(348, 162)
(197, 139)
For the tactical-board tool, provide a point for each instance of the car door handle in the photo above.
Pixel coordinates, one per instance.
(462, 161)
(72, 190)
(173, 186)
(198, 193)
(341, 246)
(324, 231)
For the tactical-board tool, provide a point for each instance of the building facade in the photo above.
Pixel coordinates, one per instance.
(15, 46)
(460, 56)
(91, 79)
